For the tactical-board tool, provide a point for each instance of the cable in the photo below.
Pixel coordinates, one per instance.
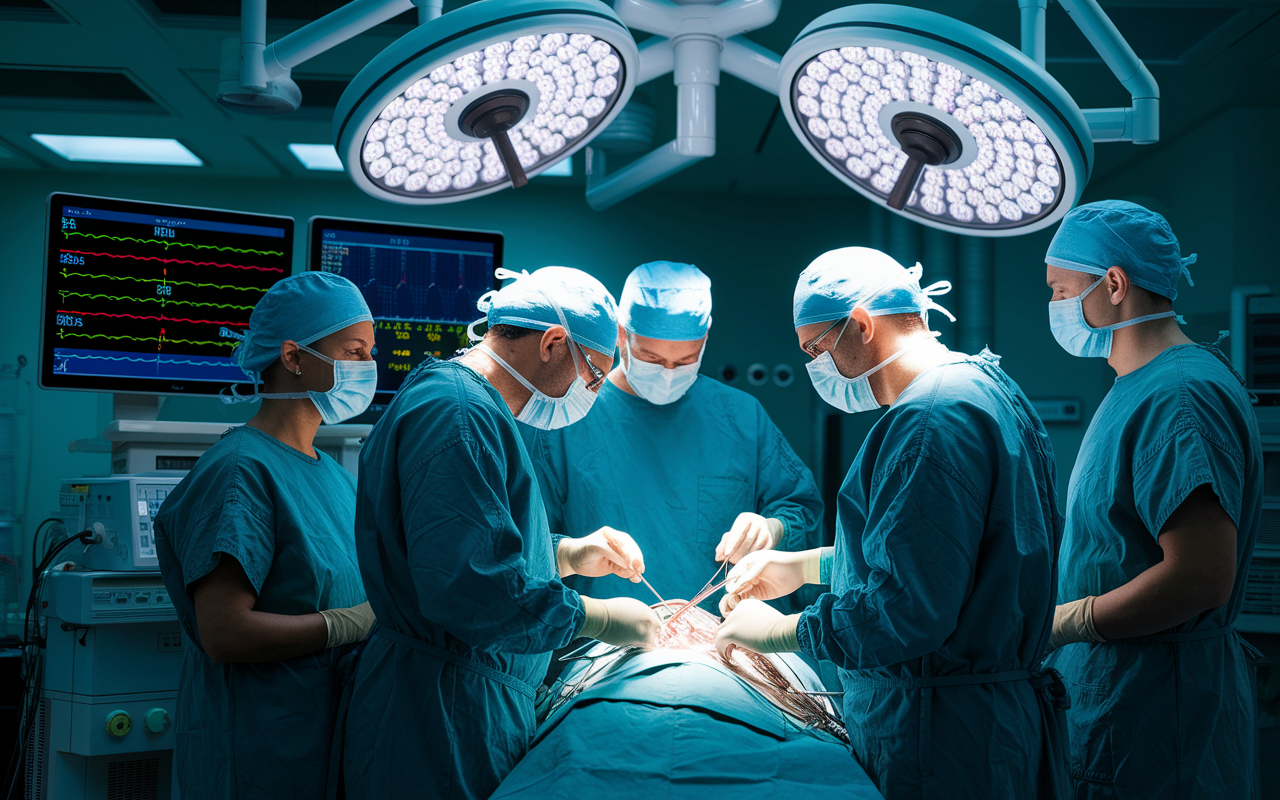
(33, 655)
(35, 545)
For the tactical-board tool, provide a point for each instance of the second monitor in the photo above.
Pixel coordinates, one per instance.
(421, 284)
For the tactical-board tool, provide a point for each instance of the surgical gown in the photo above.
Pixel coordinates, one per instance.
(943, 594)
(1171, 715)
(675, 477)
(458, 563)
(259, 730)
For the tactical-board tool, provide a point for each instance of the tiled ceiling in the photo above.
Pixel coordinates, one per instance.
(150, 68)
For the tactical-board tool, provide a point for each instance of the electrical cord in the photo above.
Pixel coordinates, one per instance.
(33, 654)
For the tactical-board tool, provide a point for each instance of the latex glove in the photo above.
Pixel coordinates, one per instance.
(347, 625)
(605, 552)
(620, 620)
(760, 627)
(1073, 622)
(770, 574)
(750, 532)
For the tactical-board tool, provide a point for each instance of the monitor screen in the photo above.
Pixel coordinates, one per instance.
(421, 285)
(150, 298)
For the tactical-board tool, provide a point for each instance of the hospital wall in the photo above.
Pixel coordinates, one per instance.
(752, 246)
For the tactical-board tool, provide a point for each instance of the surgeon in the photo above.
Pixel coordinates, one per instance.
(1162, 514)
(257, 550)
(457, 557)
(694, 470)
(942, 575)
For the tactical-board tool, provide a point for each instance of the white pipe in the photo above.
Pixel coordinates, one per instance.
(697, 74)
(637, 176)
(1032, 16)
(1239, 315)
(1119, 57)
(332, 29)
(725, 19)
(1110, 124)
(758, 66)
(253, 40)
(656, 59)
(429, 10)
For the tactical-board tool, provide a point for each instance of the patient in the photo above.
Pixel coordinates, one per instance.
(678, 721)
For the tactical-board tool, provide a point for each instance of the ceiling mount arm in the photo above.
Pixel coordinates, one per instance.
(260, 82)
(758, 66)
(1031, 15)
(1139, 123)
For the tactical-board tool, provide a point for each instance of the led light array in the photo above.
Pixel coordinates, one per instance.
(1014, 179)
(409, 149)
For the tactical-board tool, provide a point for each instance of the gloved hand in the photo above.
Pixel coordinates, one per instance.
(604, 552)
(770, 574)
(758, 626)
(750, 532)
(1073, 622)
(347, 625)
(620, 620)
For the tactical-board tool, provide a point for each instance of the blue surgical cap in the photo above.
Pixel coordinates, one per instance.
(1113, 233)
(530, 302)
(304, 308)
(840, 280)
(665, 300)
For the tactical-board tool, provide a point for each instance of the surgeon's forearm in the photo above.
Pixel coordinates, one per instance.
(1152, 602)
(256, 637)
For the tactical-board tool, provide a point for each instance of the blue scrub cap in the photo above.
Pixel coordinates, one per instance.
(665, 300)
(1114, 233)
(530, 301)
(841, 280)
(303, 308)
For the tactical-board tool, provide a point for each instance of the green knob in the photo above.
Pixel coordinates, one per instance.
(156, 720)
(119, 723)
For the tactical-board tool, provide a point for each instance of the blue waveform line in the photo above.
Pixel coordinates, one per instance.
(157, 359)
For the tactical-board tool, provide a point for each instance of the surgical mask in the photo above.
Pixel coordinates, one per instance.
(549, 413)
(354, 383)
(658, 384)
(851, 395)
(1078, 337)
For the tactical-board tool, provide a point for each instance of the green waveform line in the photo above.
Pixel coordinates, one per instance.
(168, 243)
(167, 282)
(62, 335)
(163, 300)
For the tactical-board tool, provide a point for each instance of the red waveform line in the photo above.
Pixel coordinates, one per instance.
(160, 318)
(173, 261)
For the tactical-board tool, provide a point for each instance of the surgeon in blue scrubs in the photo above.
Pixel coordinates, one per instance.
(943, 571)
(257, 550)
(694, 470)
(457, 558)
(1162, 514)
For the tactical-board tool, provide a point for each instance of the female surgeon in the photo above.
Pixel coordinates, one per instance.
(256, 548)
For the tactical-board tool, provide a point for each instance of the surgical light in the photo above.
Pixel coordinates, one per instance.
(119, 149)
(484, 97)
(936, 119)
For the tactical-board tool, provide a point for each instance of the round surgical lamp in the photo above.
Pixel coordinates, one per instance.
(483, 97)
(936, 120)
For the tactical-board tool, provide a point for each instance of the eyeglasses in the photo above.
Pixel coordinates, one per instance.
(810, 346)
(597, 377)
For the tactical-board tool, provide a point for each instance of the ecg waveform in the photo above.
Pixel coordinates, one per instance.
(167, 244)
(129, 302)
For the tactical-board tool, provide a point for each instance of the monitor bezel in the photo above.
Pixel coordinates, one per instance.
(48, 379)
(317, 224)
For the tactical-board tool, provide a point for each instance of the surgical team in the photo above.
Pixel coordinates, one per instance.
(384, 636)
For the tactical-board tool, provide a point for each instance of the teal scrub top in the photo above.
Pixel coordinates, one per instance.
(675, 477)
(1169, 716)
(458, 563)
(942, 593)
(259, 730)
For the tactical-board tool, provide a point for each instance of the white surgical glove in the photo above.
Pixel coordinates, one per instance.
(770, 574)
(1073, 622)
(760, 627)
(750, 532)
(347, 625)
(605, 552)
(620, 620)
